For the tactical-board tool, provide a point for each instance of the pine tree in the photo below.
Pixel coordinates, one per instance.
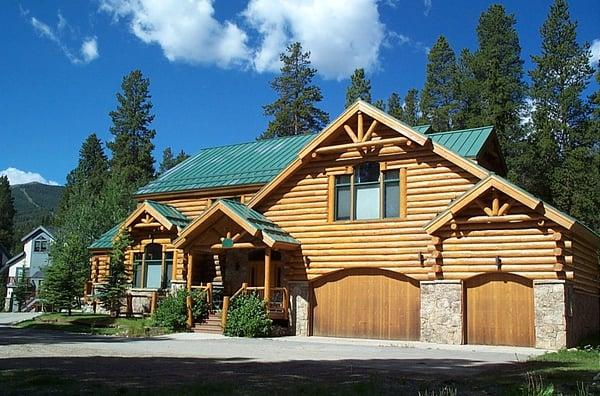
(169, 161)
(82, 217)
(7, 214)
(411, 107)
(438, 101)
(562, 147)
(497, 96)
(23, 289)
(394, 106)
(380, 104)
(112, 292)
(294, 112)
(469, 94)
(359, 88)
(132, 164)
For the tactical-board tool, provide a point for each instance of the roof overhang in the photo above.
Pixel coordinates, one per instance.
(516, 193)
(35, 232)
(213, 214)
(382, 117)
(145, 207)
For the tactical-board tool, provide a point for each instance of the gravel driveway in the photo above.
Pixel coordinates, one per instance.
(185, 358)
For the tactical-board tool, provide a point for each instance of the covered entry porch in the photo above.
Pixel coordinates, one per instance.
(235, 250)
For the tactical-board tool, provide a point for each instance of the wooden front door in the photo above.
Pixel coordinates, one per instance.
(499, 310)
(366, 303)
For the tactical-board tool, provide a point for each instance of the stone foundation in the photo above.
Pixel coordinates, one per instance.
(299, 306)
(550, 314)
(441, 312)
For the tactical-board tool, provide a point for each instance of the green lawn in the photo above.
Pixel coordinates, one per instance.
(94, 324)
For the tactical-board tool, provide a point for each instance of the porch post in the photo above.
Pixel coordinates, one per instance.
(188, 300)
(267, 274)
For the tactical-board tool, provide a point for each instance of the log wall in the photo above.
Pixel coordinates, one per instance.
(300, 206)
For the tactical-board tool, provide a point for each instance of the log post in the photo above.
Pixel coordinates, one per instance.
(188, 300)
(267, 274)
(224, 311)
(153, 301)
(209, 294)
(129, 308)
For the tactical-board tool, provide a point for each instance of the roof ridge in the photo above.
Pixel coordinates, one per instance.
(460, 130)
(256, 141)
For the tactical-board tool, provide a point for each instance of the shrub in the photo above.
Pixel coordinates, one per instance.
(247, 317)
(171, 312)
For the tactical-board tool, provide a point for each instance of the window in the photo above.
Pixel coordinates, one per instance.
(168, 270)
(368, 193)
(153, 264)
(153, 269)
(21, 273)
(40, 245)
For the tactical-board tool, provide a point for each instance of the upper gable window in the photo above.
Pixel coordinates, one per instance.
(40, 245)
(369, 193)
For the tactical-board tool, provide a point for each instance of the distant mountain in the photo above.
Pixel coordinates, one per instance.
(35, 204)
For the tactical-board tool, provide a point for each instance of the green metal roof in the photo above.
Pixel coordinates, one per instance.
(422, 128)
(466, 142)
(170, 213)
(105, 241)
(234, 165)
(257, 220)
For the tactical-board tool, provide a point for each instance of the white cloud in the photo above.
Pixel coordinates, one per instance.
(185, 30)
(341, 35)
(89, 47)
(595, 50)
(428, 5)
(17, 176)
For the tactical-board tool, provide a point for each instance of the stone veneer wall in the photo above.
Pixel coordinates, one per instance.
(299, 307)
(550, 314)
(441, 311)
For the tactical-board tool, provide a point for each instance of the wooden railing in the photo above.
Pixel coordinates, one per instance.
(208, 288)
(277, 303)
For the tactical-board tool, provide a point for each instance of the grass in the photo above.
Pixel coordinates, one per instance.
(94, 324)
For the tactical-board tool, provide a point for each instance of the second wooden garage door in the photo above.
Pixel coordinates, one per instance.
(366, 303)
(500, 310)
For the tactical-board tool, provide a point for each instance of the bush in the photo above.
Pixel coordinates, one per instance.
(171, 312)
(247, 317)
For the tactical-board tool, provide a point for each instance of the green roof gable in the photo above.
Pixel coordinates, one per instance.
(260, 222)
(170, 213)
(465, 142)
(105, 241)
(256, 162)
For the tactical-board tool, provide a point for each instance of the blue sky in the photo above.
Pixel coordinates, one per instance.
(210, 63)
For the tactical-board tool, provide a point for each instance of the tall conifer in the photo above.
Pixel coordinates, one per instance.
(359, 88)
(294, 112)
(439, 103)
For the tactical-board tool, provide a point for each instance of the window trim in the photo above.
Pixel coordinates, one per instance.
(144, 268)
(349, 170)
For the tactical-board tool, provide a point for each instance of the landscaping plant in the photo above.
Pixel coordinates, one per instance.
(171, 312)
(247, 317)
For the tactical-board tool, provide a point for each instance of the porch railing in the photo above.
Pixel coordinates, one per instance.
(277, 303)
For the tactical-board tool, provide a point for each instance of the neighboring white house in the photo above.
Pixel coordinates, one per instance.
(30, 263)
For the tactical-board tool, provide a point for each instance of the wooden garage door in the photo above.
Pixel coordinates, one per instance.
(500, 310)
(366, 303)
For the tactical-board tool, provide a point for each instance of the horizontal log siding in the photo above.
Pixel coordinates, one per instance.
(300, 207)
(586, 267)
(526, 248)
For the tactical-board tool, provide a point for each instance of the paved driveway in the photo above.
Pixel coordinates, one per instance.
(184, 358)
(8, 318)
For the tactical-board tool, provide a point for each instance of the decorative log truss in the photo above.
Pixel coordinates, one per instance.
(361, 140)
(147, 221)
